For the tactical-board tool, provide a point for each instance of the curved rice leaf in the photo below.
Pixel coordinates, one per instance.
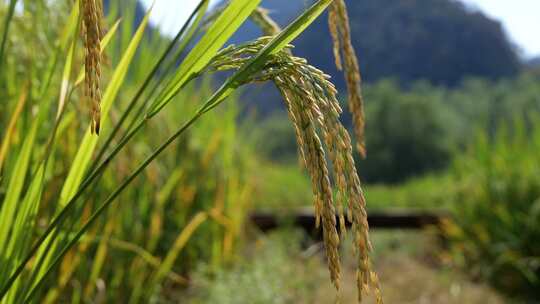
(217, 35)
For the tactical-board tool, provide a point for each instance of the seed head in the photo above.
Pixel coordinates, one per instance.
(338, 21)
(92, 14)
(313, 108)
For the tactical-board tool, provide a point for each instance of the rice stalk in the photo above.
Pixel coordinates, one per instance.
(314, 111)
(92, 29)
(340, 31)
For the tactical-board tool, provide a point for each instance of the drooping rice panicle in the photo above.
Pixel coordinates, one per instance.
(338, 21)
(315, 162)
(92, 29)
(314, 111)
(334, 32)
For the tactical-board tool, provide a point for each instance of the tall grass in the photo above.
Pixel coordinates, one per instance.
(496, 232)
(63, 241)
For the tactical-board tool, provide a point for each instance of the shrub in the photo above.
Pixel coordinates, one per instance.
(495, 233)
(408, 133)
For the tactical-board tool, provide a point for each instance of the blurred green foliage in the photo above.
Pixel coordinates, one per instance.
(417, 131)
(408, 133)
(279, 187)
(429, 192)
(275, 139)
(495, 233)
(268, 273)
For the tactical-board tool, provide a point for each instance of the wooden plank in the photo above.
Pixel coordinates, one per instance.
(305, 219)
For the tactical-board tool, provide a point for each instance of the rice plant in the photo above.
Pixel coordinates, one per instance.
(60, 179)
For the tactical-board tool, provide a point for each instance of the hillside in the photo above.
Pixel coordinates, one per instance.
(436, 40)
(440, 41)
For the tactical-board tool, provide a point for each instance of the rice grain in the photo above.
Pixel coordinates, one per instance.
(92, 29)
(314, 110)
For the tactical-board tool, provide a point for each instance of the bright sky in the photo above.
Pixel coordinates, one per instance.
(520, 18)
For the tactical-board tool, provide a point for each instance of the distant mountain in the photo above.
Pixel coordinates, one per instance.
(437, 40)
(440, 41)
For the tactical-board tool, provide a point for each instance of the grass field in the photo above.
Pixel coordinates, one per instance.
(278, 270)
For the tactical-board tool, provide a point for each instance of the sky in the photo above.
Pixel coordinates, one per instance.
(520, 18)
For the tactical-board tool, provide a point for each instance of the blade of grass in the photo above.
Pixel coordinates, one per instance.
(194, 29)
(30, 202)
(275, 45)
(15, 185)
(141, 252)
(37, 183)
(32, 193)
(178, 245)
(106, 204)
(99, 257)
(10, 207)
(28, 207)
(218, 34)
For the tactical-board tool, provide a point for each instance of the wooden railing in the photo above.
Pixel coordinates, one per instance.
(304, 219)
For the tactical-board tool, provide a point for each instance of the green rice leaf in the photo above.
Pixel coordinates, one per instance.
(216, 36)
(275, 45)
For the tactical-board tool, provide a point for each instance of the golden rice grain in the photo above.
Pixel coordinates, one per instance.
(338, 21)
(92, 13)
(314, 111)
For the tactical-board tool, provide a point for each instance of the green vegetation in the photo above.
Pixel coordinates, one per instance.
(496, 228)
(429, 192)
(281, 186)
(270, 269)
(409, 132)
(418, 131)
(277, 270)
(154, 209)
